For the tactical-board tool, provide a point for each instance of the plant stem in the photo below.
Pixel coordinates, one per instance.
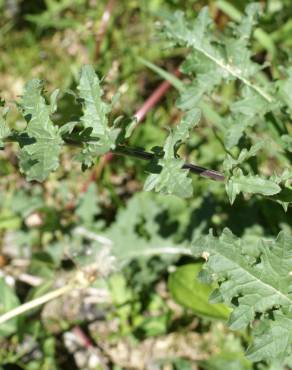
(70, 286)
(140, 114)
(74, 139)
(154, 98)
(86, 341)
(103, 26)
(36, 302)
(141, 154)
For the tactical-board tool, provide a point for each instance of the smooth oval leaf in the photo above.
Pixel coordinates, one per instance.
(190, 292)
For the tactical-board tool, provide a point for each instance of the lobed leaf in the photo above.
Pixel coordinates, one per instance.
(231, 60)
(171, 178)
(95, 115)
(41, 142)
(238, 183)
(253, 282)
(214, 60)
(244, 155)
(4, 129)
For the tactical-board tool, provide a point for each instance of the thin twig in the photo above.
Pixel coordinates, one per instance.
(85, 341)
(154, 98)
(103, 26)
(198, 170)
(36, 302)
(74, 139)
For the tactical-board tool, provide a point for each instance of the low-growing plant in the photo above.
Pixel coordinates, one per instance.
(252, 125)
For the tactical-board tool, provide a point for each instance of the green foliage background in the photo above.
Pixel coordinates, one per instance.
(153, 296)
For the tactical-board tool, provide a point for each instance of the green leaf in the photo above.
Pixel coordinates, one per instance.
(246, 112)
(95, 114)
(272, 339)
(8, 301)
(236, 127)
(41, 142)
(213, 60)
(4, 129)
(226, 360)
(188, 291)
(8, 221)
(251, 104)
(172, 179)
(229, 61)
(42, 264)
(252, 282)
(285, 90)
(24, 203)
(53, 100)
(285, 195)
(144, 228)
(208, 76)
(182, 364)
(88, 205)
(245, 27)
(238, 183)
(155, 325)
(181, 132)
(230, 163)
(287, 142)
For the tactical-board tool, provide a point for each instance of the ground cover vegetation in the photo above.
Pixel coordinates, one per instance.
(145, 216)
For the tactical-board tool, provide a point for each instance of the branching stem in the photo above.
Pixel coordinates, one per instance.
(74, 139)
(141, 154)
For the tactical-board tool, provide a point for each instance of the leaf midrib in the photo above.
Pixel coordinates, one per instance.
(256, 278)
(232, 71)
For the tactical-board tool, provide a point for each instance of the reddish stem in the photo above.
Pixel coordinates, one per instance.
(154, 98)
(92, 178)
(103, 26)
(86, 342)
(141, 113)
